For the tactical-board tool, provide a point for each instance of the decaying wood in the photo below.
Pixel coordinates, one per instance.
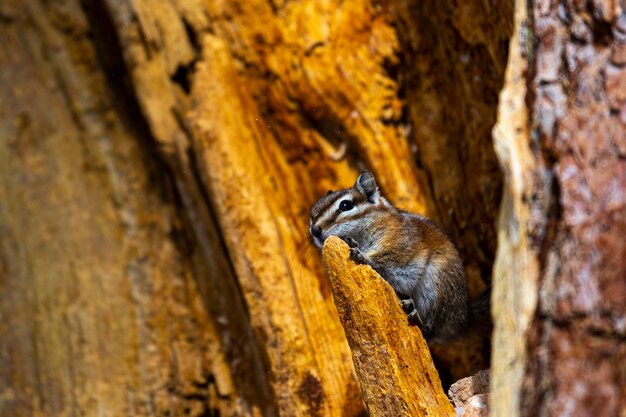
(391, 358)
(559, 286)
(153, 146)
(514, 287)
(100, 312)
(158, 160)
(302, 79)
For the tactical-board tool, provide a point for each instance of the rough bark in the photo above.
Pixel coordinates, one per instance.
(559, 285)
(391, 358)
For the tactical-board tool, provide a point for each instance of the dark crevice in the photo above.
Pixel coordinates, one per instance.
(109, 53)
(207, 203)
(184, 72)
(235, 353)
(392, 69)
(400, 70)
(202, 397)
(192, 37)
(330, 127)
(275, 7)
(182, 77)
(210, 412)
(439, 48)
(109, 49)
(602, 33)
(600, 28)
(327, 126)
(309, 51)
(6, 19)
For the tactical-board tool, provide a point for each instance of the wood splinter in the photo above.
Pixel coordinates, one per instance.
(391, 358)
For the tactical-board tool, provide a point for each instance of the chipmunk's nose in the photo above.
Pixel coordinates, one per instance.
(316, 231)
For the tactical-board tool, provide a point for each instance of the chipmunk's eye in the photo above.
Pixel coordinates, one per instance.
(346, 205)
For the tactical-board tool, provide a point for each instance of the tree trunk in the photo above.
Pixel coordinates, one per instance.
(101, 314)
(157, 164)
(559, 286)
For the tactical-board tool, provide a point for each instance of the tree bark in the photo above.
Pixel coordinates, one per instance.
(559, 285)
(392, 360)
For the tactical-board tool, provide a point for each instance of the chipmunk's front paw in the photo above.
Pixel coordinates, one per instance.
(357, 256)
(355, 253)
(351, 242)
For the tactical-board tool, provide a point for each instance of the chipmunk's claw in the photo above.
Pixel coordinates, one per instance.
(355, 253)
(407, 305)
(357, 256)
(415, 318)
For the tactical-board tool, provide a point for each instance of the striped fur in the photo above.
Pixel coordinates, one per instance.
(409, 251)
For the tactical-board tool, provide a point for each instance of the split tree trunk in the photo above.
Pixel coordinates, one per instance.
(560, 275)
(158, 163)
(158, 159)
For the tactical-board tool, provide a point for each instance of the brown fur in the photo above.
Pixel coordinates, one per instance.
(409, 251)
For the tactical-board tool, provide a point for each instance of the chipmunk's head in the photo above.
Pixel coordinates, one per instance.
(345, 213)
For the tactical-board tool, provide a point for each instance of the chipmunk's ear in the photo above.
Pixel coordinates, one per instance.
(366, 185)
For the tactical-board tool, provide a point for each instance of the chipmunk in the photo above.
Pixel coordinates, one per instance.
(409, 251)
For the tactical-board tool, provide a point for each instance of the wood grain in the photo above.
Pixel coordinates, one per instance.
(391, 358)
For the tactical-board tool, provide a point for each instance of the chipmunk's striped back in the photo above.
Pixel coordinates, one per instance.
(409, 251)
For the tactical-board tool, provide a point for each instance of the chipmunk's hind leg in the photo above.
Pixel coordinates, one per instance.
(407, 305)
(413, 315)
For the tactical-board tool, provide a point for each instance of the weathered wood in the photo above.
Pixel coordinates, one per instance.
(328, 88)
(256, 235)
(391, 358)
(514, 285)
(306, 80)
(227, 119)
(100, 312)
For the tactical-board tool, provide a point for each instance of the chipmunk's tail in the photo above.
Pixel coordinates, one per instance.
(480, 322)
